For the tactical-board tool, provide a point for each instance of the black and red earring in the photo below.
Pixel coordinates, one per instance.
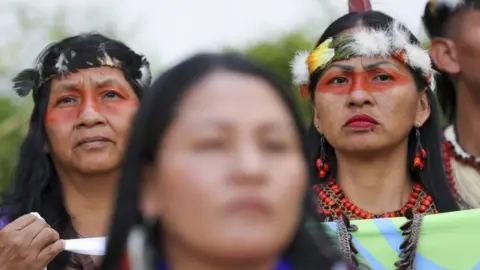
(322, 162)
(420, 157)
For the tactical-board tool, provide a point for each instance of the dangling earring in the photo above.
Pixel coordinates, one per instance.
(322, 162)
(420, 153)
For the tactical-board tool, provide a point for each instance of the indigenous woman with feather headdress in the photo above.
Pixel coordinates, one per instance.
(86, 90)
(453, 28)
(375, 134)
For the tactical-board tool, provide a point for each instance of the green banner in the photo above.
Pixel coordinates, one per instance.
(447, 241)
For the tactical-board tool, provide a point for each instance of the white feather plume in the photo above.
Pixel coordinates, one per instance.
(61, 64)
(451, 4)
(146, 75)
(398, 35)
(299, 68)
(418, 58)
(370, 42)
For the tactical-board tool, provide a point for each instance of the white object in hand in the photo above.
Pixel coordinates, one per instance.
(88, 246)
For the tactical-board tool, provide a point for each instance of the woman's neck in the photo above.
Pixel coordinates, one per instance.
(377, 184)
(181, 258)
(467, 124)
(89, 201)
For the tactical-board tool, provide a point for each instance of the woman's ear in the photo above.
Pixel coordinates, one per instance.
(423, 109)
(444, 54)
(316, 121)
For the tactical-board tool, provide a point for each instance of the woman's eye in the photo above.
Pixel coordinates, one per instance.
(276, 146)
(110, 94)
(338, 80)
(383, 77)
(210, 145)
(65, 100)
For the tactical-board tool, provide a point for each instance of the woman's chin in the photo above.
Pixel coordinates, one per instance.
(246, 250)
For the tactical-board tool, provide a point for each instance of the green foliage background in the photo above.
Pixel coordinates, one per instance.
(277, 54)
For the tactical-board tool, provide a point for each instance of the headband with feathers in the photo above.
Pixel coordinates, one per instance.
(390, 42)
(82, 52)
(451, 5)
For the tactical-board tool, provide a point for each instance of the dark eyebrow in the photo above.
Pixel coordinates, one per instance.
(227, 125)
(107, 82)
(376, 65)
(342, 67)
(67, 86)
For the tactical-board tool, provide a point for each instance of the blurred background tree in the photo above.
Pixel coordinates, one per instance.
(277, 54)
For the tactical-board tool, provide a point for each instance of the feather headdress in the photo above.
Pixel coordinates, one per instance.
(390, 42)
(449, 4)
(81, 52)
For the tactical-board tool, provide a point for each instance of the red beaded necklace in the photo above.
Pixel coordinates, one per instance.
(333, 203)
(471, 161)
(448, 154)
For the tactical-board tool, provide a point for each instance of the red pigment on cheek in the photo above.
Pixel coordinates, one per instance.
(118, 107)
(87, 100)
(361, 80)
(70, 112)
(128, 102)
(65, 115)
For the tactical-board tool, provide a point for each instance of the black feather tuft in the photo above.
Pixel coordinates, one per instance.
(25, 81)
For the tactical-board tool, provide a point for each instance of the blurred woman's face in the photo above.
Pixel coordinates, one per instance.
(230, 176)
(368, 104)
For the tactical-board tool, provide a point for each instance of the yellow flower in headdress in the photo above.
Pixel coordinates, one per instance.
(321, 56)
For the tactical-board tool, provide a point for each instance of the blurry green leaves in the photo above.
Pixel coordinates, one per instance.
(277, 54)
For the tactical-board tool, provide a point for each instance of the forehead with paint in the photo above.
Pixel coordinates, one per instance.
(371, 74)
(390, 47)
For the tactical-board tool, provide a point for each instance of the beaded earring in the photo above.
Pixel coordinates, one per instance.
(420, 157)
(322, 162)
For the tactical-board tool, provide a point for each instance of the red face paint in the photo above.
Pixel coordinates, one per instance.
(69, 104)
(343, 82)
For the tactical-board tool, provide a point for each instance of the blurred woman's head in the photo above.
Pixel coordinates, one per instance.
(371, 84)
(219, 154)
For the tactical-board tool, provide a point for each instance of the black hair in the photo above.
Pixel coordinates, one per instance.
(433, 177)
(160, 108)
(437, 18)
(35, 185)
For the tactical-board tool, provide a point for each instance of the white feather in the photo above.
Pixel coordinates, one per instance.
(451, 4)
(299, 68)
(146, 75)
(61, 64)
(398, 35)
(370, 43)
(418, 58)
(433, 85)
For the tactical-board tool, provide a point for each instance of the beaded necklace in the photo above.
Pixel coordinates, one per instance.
(333, 203)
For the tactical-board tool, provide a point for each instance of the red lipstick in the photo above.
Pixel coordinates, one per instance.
(361, 121)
